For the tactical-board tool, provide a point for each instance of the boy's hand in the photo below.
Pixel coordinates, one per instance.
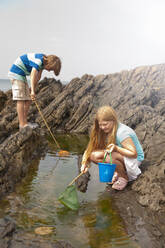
(84, 168)
(33, 96)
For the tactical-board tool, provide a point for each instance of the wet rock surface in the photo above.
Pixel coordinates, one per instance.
(138, 96)
(16, 155)
(144, 226)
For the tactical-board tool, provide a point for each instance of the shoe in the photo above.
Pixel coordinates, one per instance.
(20, 128)
(32, 125)
(120, 184)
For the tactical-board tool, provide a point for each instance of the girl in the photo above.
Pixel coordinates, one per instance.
(109, 135)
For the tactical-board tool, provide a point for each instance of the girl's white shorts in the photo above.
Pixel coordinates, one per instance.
(132, 168)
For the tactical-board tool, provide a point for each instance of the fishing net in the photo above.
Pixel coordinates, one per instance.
(63, 153)
(69, 197)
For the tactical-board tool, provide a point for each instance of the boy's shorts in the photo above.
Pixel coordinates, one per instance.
(20, 90)
(132, 168)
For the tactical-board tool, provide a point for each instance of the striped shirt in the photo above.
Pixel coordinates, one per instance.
(23, 65)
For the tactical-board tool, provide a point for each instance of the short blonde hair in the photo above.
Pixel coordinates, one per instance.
(54, 62)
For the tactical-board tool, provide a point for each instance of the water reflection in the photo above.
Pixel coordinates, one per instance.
(103, 223)
(96, 224)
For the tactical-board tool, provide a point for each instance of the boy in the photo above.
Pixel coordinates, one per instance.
(29, 64)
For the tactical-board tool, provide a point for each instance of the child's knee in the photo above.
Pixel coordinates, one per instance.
(93, 156)
(96, 155)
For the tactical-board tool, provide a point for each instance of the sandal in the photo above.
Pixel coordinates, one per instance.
(114, 178)
(120, 184)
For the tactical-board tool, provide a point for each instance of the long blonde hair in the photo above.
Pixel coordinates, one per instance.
(99, 139)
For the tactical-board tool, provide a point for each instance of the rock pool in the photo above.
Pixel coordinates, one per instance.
(97, 223)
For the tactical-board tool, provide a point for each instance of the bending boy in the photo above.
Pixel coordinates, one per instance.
(30, 64)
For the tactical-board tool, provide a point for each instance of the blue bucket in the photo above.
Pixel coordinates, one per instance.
(106, 172)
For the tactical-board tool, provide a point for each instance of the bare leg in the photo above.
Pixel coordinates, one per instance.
(20, 111)
(117, 158)
(97, 156)
(26, 109)
(120, 169)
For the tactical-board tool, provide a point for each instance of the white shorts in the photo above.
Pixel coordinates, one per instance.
(132, 168)
(20, 90)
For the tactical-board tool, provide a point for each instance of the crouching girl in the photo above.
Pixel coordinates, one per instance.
(110, 135)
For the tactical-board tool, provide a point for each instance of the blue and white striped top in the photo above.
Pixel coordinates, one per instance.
(23, 65)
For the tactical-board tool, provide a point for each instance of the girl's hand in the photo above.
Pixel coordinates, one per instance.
(110, 148)
(84, 168)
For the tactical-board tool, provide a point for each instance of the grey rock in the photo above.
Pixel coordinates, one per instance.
(138, 96)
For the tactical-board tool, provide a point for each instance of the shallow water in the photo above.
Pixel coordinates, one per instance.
(5, 84)
(96, 224)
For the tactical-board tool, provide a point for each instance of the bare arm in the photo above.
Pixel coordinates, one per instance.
(85, 163)
(34, 78)
(128, 148)
(39, 75)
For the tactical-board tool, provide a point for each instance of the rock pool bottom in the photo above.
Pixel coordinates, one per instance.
(97, 223)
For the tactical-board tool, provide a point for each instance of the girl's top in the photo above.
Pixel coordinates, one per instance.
(23, 65)
(124, 132)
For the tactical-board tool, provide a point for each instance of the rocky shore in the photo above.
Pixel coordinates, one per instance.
(138, 96)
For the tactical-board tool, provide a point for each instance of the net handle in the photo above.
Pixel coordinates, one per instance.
(46, 124)
(75, 178)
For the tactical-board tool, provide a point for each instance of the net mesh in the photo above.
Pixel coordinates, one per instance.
(69, 198)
